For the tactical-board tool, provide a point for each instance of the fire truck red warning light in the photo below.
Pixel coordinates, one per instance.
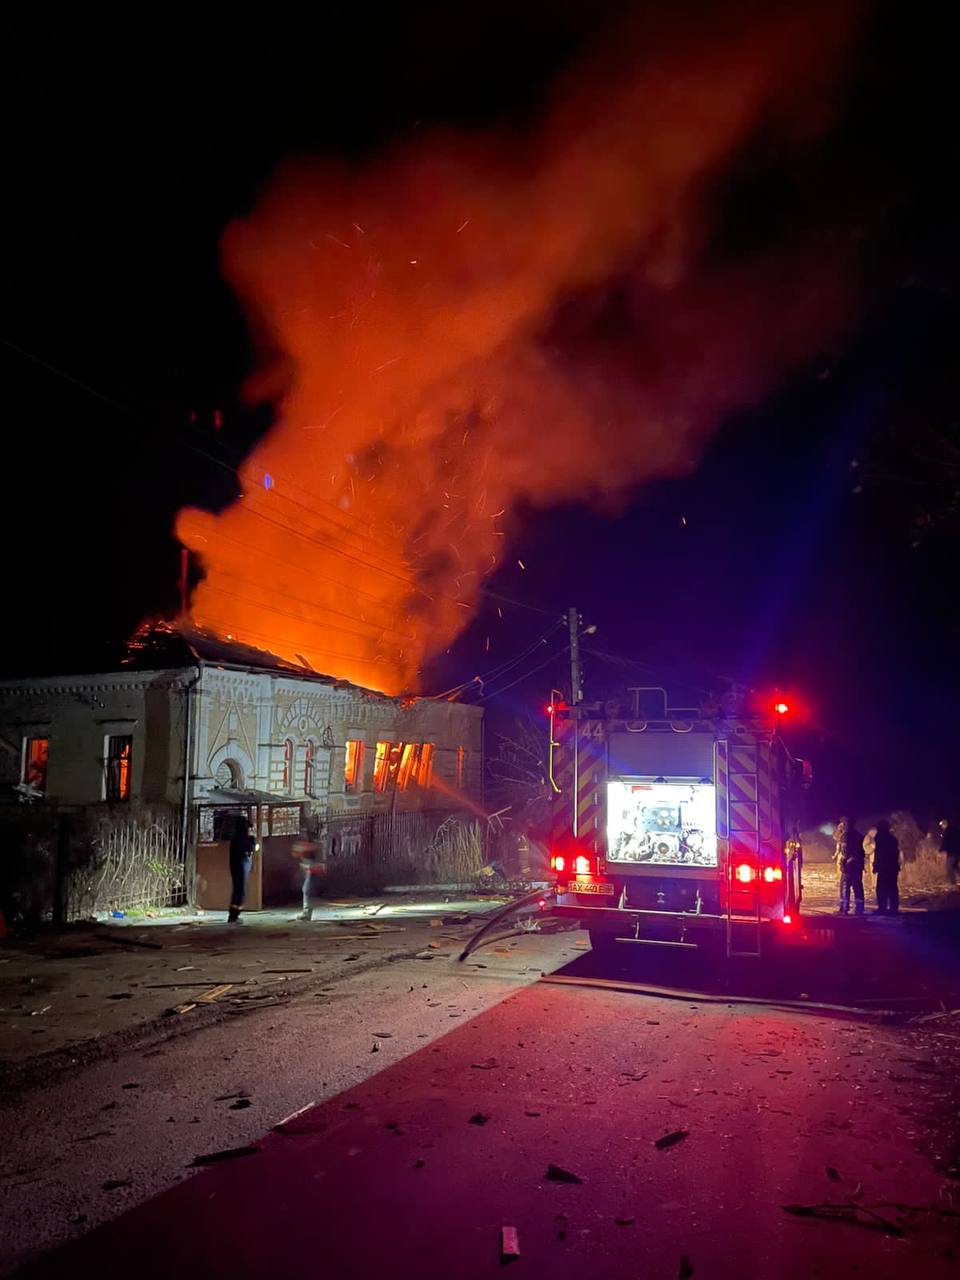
(781, 708)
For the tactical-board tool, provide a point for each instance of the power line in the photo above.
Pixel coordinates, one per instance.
(211, 586)
(311, 604)
(526, 675)
(502, 669)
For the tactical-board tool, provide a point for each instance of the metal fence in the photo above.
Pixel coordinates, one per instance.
(366, 852)
(72, 864)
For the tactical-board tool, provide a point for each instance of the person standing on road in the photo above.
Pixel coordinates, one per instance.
(886, 867)
(850, 860)
(243, 845)
(313, 870)
(950, 846)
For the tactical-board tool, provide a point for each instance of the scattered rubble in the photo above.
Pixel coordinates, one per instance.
(556, 1174)
(671, 1139)
(215, 1157)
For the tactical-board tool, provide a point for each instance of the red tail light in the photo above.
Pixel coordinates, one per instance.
(772, 873)
(558, 862)
(745, 873)
(582, 865)
(788, 919)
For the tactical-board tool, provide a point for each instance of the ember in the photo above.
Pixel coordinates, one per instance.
(435, 323)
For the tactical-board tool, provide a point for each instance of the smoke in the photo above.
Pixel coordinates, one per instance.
(476, 322)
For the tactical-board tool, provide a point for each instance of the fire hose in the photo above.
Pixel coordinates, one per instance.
(536, 895)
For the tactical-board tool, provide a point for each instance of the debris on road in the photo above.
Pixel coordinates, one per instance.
(856, 1214)
(624, 1222)
(230, 1153)
(240, 1104)
(216, 992)
(183, 1008)
(121, 995)
(509, 1244)
(280, 1126)
(832, 1173)
(488, 1064)
(671, 1139)
(114, 1184)
(556, 1174)
(478, 1118)
(133, 942)
(685, 1270)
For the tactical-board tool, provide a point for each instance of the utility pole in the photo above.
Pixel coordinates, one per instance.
(576, 688)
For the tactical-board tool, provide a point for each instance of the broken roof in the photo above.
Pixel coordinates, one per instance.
(166, 644)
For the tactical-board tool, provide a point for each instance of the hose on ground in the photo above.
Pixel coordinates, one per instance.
(516, 905)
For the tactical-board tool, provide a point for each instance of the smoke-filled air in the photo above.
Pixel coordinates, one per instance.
(436, 357)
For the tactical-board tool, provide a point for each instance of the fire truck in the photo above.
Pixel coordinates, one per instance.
(675, 828)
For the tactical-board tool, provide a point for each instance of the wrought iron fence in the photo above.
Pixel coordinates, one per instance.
(366, 851)
(73, 864)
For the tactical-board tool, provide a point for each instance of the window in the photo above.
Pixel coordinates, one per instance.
(117, 766)
(381, 765)
(229, 776)
(425, 770)
(285, 820)
(409, 759)
(286, 783)
(461, 761)
(34, 771)
(310, 768)
(353, 765)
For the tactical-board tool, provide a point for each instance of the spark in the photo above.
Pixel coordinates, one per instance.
(336, 241)
(521, 564)
(464, 223)
(359, 228)
(683, 521)
(499, 612)
(387, 363)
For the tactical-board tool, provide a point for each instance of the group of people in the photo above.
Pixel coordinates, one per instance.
(244, 843)
(853, 850)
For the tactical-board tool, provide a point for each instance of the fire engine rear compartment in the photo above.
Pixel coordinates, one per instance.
(669, 841)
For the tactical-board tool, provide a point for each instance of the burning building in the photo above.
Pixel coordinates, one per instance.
(199, 730)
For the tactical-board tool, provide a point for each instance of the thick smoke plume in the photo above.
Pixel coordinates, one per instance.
(436, 360)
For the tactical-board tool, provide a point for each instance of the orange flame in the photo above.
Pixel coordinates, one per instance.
(423, 387)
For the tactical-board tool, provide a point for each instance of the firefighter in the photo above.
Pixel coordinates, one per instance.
(950, 847)
(243, 845)
(850, 861)
(886, 867)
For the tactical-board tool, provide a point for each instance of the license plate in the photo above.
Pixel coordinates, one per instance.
(589, 886)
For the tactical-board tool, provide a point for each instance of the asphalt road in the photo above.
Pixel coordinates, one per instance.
(443, 1095)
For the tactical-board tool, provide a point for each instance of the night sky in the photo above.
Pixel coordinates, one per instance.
(813, 547)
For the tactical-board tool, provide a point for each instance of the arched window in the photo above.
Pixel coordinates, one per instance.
(287, 783)
(229, 775)
(310, 768)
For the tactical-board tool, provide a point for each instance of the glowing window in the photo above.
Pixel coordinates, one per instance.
(461, 761)
(353, 765)
(310, 768)
(35, 754)
(425, 770)
(117, 766)
(407, 768)
(381, 765)
(287, 779)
